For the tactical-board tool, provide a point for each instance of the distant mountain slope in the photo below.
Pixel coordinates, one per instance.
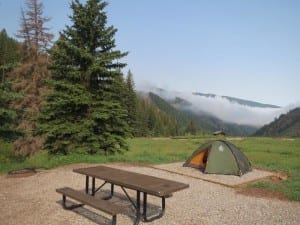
(228, 109)
(239, 101)
(287, 125)
(182, 117)
(204, 121)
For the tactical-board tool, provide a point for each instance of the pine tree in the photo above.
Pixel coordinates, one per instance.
(152, 120)
(9, 58)
(8, 115)
(9, 52)
(131, 103)
(84, 111)
(142, 118)
(191, 128)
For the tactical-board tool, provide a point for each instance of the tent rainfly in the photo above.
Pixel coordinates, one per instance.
(219, 157)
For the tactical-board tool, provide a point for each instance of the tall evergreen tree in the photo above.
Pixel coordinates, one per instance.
(151, 121)
(8, 115)
(9, 58)
(142, 118)
(131, 103)
(84, 111)
(9, 52)
(191, 128)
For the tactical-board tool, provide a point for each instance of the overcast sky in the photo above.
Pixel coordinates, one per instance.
(242, 48)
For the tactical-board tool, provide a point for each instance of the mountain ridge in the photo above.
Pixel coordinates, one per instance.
(240, 101)
(204, 121)
(230, 109)
(235, 116)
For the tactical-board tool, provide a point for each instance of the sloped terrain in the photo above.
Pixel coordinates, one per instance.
(287, 125)
(204, 121)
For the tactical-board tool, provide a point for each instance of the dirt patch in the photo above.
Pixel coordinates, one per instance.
(262, 193)
(265, 193)
(21, 173)
(278, 178)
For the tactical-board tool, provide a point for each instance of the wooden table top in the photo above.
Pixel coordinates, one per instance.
(136, 181)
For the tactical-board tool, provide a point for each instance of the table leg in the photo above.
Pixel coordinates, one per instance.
(93, 186)
(145, 206)
(64, 201)
(112, 190)
(138, 208)
(163, 206)
(86, 184)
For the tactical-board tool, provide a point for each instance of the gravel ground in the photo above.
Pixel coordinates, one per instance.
(32, 200)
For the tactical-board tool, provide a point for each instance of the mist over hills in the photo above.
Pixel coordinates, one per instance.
(239, 101)
(204, 122)
(213, 112)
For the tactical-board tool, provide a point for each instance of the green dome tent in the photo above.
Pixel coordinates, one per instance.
(219, 157)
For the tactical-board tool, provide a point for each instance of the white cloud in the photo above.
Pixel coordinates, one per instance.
(223, 109)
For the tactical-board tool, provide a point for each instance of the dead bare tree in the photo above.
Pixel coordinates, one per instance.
(36, 35)
(30, 77)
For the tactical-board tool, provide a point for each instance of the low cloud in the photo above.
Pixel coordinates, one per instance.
(222, 108)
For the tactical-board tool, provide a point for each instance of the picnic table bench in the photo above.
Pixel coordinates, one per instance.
(99, 204)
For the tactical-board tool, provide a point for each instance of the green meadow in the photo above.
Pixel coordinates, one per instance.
(274, 154)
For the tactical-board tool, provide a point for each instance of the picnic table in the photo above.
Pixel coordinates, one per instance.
(141, 183)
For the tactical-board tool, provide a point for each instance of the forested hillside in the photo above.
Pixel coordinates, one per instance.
(200, 122)
(287, 125)
(187, 123)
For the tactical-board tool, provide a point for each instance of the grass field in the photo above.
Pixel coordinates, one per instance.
(281, 155)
